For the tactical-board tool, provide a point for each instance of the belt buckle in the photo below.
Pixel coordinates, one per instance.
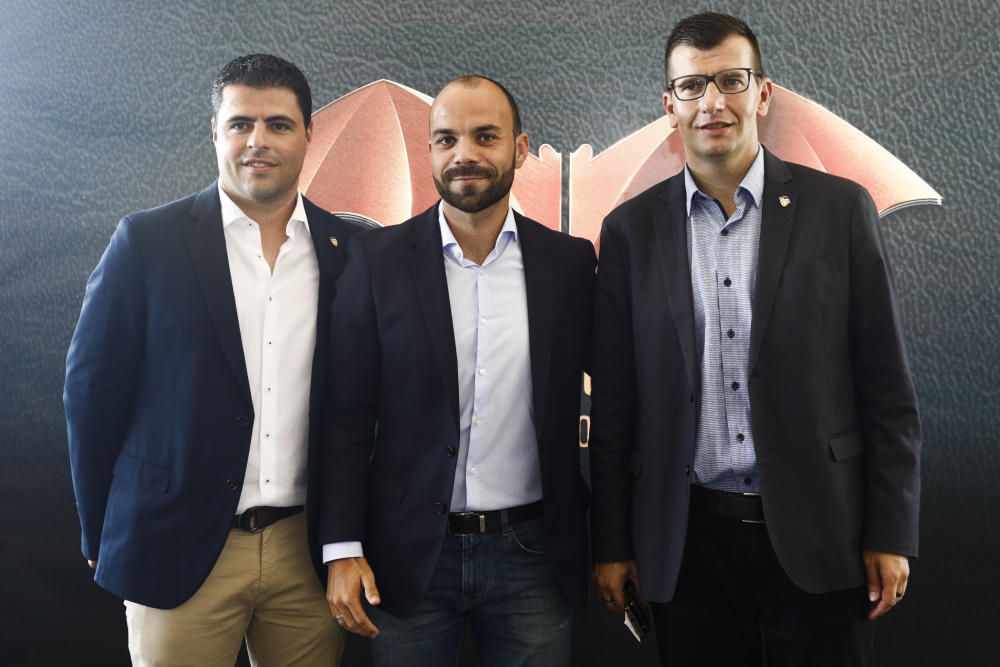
(751, 494)
(248, 521)
(465, 515)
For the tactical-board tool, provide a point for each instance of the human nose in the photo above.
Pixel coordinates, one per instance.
(712, 100)
(257, 138)
(465, 152)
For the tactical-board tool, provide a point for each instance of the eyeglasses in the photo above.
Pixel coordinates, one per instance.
(729, 82)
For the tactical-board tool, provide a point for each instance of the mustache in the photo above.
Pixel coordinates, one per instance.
(468, 171)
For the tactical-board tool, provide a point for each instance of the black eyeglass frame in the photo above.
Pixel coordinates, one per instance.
(710, 78)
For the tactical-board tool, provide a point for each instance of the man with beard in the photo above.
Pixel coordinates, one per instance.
(451, 472)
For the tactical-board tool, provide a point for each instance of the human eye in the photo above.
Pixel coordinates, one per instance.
(280, 126)
(690, 85)
(487, 138)
(733, 80)
(445, 141)
(239, 126)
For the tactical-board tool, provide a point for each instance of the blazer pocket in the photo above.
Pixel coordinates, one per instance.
(142, 473)
(812, 267)
(847, 445)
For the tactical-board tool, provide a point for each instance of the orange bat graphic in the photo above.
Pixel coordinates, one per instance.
(369, 158)
(795, 129)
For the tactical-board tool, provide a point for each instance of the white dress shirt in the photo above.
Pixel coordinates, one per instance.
(277, 316)
(497, 463)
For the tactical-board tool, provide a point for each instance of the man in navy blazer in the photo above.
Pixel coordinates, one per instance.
(755, 446)
(451, 475)
(191, 403)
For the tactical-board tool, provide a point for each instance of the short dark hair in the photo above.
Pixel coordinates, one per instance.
(473, 80)
(261, 70)
(706, 31)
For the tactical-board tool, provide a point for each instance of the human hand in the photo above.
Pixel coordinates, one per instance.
(888, 575)
(344, 580)
(610, 580)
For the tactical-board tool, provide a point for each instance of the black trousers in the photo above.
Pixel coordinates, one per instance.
(735, 606)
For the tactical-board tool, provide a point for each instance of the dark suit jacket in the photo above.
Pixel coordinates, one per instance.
(389, 447)
(157, 399)
(833, 410)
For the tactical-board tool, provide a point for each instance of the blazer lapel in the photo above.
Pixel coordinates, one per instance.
(538, 280)
(426, 263)
(670, 231)
(207, 243)
(780, 200)
(326, 260)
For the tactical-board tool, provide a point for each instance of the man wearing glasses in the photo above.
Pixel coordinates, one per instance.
(755, 445)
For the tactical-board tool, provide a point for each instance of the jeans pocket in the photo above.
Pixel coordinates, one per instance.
(530, 536)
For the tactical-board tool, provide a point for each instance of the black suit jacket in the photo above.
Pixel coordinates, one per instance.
(157, 399)
(833, 410)
(389, 463)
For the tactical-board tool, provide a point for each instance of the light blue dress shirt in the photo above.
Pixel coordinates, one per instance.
(723, 257)
(498, 463)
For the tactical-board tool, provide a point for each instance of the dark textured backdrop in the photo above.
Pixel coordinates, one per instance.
(104, 110)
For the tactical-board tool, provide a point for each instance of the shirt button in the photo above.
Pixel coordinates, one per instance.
(473, 470)
(452, 450)
(482, 320)
(727, 282)
(730, 333)
(230, 483)
(735, 386)
(740, 437)
(482, 371)
(725, 232)
(440, 508)
(747, 481)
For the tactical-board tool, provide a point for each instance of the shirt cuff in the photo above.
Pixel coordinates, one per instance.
(340, 550)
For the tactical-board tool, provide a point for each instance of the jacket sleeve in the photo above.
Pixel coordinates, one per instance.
(102, 367)
(886, 401)
(354, 381)
(613, 389)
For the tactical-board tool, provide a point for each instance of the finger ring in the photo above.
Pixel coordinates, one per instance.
(338, 617)
(607, 600)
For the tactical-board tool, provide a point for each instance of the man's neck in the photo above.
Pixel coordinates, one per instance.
(269, 215)
(719, 179)
(476, 233)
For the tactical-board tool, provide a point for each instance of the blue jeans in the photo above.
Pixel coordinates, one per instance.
(504, 585)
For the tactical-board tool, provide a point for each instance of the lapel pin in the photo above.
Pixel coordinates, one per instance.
(783, 200)
(335, 243)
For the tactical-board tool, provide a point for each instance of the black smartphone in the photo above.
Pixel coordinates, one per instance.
(636, 614)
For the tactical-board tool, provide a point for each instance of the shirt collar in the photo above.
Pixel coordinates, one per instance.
(752, 183)
(508, 232)
(231, 212)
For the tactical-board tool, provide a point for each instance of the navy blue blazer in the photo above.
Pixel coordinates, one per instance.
(834, 413)
(158, 406)
(388, 460)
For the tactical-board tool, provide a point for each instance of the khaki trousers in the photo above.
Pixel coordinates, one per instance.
(263, 587)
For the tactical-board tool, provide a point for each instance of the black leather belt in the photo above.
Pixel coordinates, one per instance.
(257, 519)
(473, 523)
(745, 507)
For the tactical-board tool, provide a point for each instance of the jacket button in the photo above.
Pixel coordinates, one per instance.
(440, 508)
(242, 420)
(231, 483)
(692, 397)
(687, 471)
(452, 450)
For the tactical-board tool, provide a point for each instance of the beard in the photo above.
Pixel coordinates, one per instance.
(468, 199)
